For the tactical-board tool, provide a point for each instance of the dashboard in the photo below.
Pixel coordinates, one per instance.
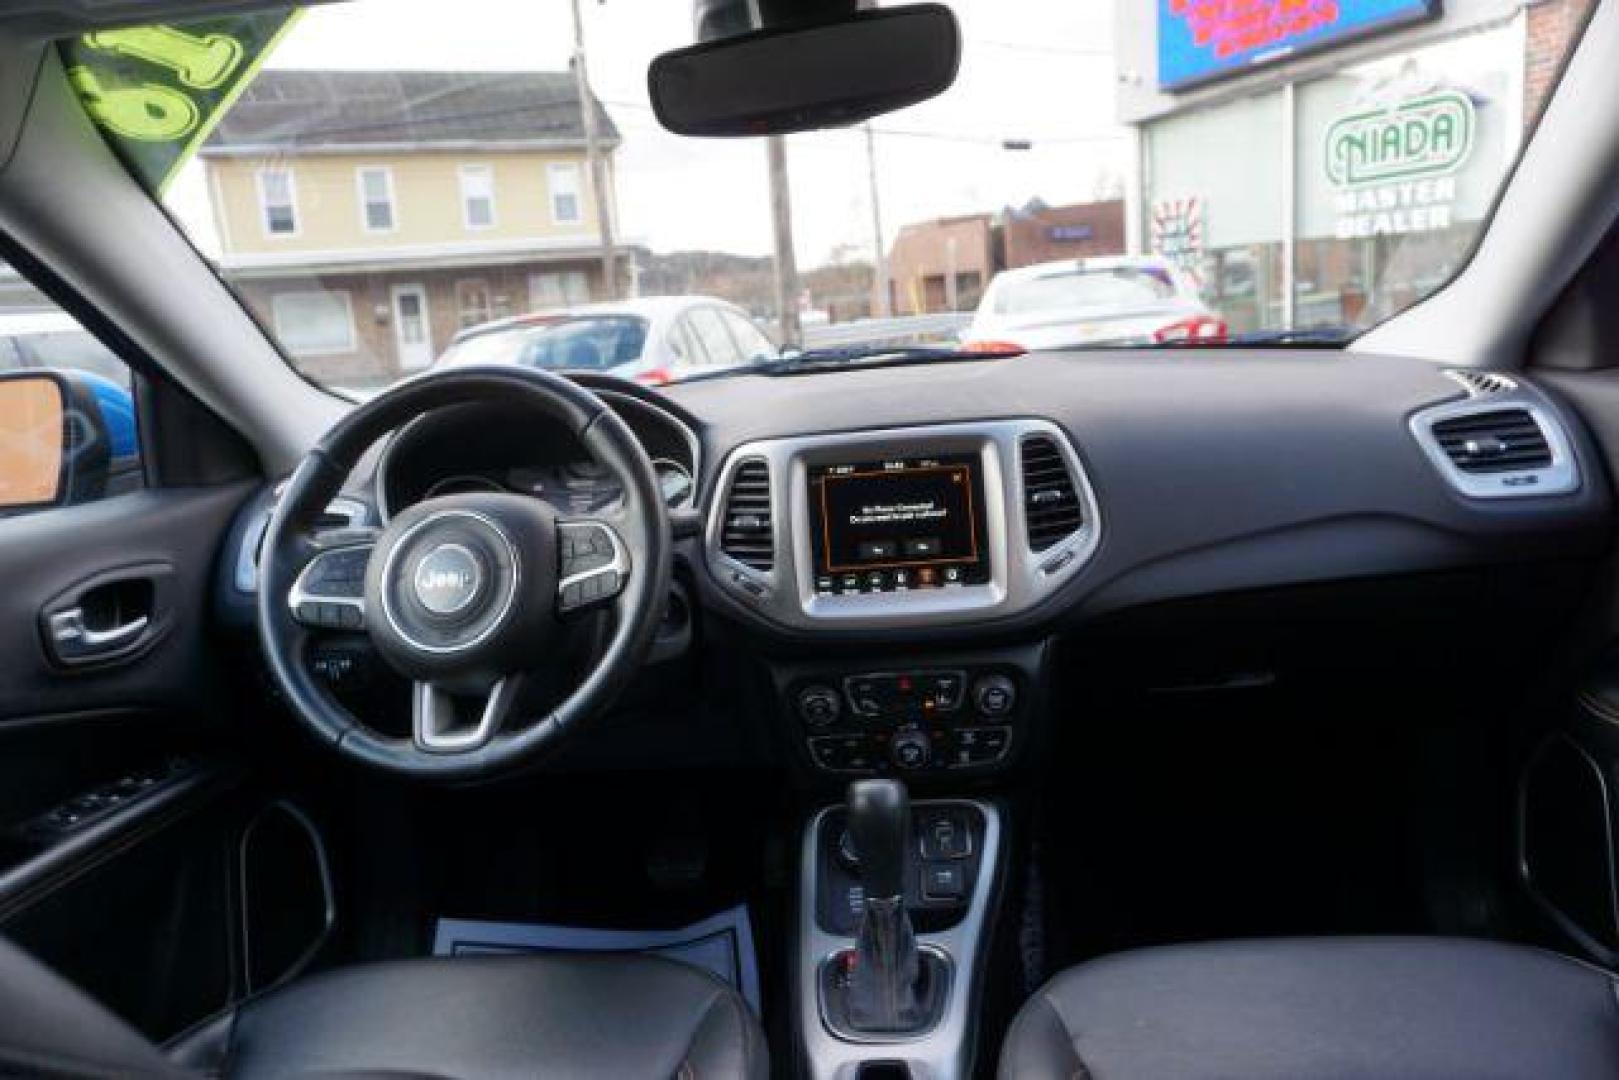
(899, 548)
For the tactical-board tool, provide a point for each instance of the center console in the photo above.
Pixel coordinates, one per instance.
(925, 526)
(949, 870)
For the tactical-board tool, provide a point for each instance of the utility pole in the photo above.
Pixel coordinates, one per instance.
(880, 254)
(595, 162)
(786, 263)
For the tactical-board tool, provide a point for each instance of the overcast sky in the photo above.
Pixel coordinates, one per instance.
(1031, 69)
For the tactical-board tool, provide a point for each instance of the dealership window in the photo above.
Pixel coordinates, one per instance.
(563, 179)
(1394, 166)
(563, 288)
(472, 303)
(477, 196)
(278, 202)
(376, 185)
(314, 323)
(1383, 222)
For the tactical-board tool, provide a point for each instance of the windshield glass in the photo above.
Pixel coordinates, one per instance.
(374, 178)
(1121, 288)
(587, 344)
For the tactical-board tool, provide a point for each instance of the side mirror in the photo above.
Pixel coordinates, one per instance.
(798, 78)
(55, 448)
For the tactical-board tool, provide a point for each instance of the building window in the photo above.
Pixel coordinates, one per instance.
(278, 202)
(472, 302)
(314, 323)
(376, 185)
(564, 182)
(558, 289)
(478, 196)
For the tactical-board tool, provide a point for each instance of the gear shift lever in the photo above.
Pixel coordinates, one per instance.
(883, 986)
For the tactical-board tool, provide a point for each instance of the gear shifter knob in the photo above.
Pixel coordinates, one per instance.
(880, 825)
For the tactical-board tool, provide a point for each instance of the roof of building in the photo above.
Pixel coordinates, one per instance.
(370, 110)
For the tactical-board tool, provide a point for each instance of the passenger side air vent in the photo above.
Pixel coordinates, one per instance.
(1051, 508)
(746, 533)
(1502, 440)
(1482, 383)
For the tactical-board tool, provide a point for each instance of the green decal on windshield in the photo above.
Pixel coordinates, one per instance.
(157, 91)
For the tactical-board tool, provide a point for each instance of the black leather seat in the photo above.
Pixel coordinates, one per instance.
(542, 1016)
(1338, 1008)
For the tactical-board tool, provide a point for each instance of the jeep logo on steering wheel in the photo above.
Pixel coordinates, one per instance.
(447, 579)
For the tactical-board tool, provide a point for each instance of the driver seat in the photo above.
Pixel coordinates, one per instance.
(556, 1015)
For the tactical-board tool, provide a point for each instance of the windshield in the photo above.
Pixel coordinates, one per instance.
(587, 344)
(375, 178)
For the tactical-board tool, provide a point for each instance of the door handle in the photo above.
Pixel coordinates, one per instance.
(73, 640)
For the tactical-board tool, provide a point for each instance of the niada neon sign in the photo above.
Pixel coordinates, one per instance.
(1426, 136)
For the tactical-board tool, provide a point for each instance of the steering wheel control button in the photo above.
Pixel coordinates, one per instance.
(591, 564)
(818, 706)
(448, 579)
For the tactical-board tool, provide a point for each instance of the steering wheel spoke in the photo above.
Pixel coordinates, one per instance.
(593, 563)
(329, 592)
(444, 721)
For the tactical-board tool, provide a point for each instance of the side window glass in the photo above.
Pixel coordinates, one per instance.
(67, 408)
(711, 332)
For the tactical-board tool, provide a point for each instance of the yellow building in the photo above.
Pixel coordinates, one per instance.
(368, 216)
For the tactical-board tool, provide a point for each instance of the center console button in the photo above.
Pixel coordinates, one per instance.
(944, 881)
(910, 750)
(994, 695)
(945, 835)
(818, 706)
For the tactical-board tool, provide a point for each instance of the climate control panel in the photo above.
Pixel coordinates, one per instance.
(908, 721)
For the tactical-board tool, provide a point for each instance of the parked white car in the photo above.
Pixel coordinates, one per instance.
(653, 340)
(1126, 300)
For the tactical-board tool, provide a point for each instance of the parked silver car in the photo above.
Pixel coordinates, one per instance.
(653, 340)
(1127, 300)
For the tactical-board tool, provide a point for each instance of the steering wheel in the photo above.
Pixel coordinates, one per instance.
(465, 595)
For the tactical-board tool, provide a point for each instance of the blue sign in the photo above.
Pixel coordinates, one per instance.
(1070, 233)
(1199, 40)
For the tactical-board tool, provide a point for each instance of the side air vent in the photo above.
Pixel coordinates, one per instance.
(1051, 507)
(1502, 440)
(746, 535)
(1482, 383)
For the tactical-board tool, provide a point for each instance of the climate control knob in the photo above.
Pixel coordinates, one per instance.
(910, 750)
(994, 695)
(818, 706)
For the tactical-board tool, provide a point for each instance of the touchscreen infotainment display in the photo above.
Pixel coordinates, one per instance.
(889, 526)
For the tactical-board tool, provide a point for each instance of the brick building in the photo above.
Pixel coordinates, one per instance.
(945, 264)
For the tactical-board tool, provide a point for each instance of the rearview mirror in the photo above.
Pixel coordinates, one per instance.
(54, 444)
(777, 81)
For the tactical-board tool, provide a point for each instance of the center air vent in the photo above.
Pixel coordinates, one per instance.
(746, 535)
(1051, 508)
(1499, 441)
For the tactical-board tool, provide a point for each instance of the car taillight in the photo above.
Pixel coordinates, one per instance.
(1196, 328)
(992, 348)
(655, 377)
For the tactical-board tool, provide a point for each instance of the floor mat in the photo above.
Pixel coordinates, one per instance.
(721, 944)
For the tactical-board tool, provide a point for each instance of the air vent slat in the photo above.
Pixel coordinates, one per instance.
(1502, 440)
(747, 533)
(1051, 504)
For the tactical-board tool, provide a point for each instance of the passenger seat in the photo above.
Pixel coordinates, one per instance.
(1341, 1008)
